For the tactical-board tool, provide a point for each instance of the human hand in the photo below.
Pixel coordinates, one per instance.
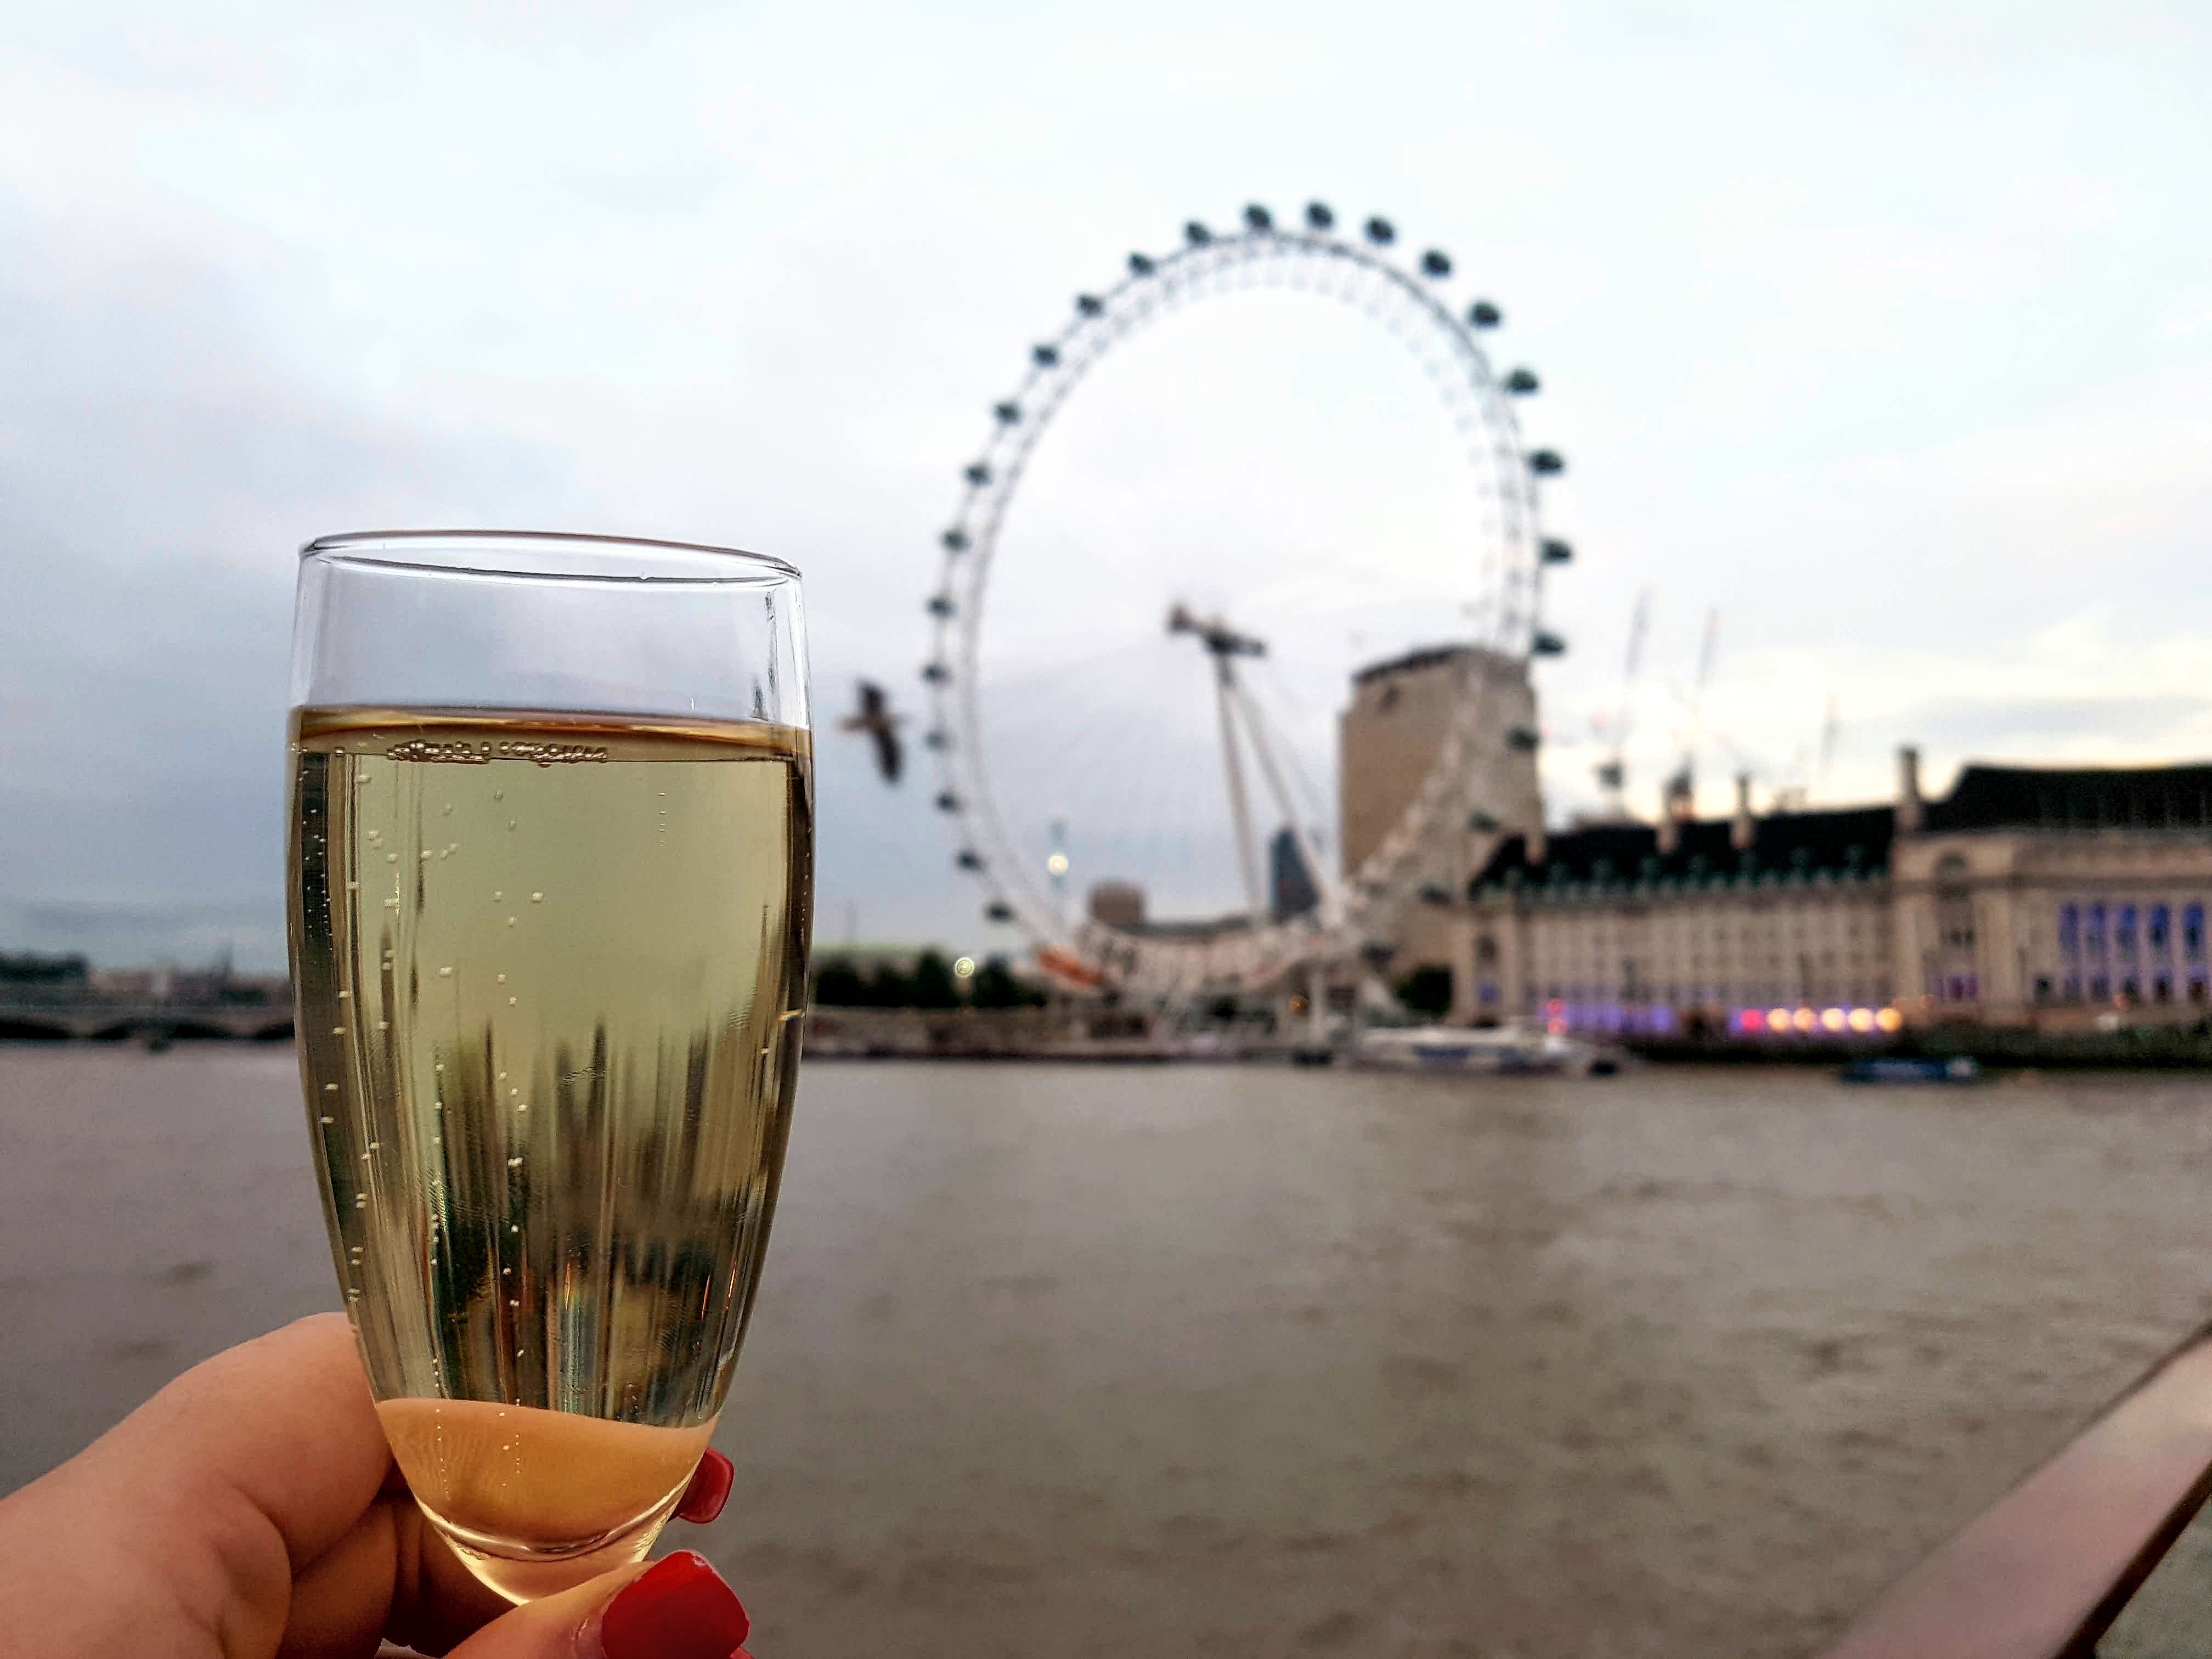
(251, 1511)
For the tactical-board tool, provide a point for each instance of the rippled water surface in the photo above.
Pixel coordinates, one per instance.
(1195, 1361)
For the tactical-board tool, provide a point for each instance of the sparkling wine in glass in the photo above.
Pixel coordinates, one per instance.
(550, 873)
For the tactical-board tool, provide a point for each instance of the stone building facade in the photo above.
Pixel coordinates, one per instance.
(2027, 896)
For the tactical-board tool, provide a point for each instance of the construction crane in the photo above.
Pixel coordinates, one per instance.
(1613, 770)
(1830, 728)
(1680, 795)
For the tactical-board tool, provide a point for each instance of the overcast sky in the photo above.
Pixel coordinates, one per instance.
(1886, 330)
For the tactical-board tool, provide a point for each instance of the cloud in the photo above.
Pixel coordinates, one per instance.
(159, 461)
(1880, 332)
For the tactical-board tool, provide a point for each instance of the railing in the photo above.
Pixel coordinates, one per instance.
(2047, 1572)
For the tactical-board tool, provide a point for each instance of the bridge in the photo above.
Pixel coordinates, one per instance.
(63, 1014)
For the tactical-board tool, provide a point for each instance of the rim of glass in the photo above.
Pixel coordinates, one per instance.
(715, 564)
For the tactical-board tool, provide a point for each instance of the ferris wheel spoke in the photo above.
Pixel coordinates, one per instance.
(1301, 836)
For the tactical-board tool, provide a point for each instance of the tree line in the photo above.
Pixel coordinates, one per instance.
(840, 982)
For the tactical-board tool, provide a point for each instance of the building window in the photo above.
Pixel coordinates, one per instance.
(2192, 932)
(2123, 932)
(2132, 988)
(2093, 933)
(2161, 989)
(2099, 988)
(2070, 931)
(2160, 931)
(2070, 991)
(1954, 903)
(2043, 987)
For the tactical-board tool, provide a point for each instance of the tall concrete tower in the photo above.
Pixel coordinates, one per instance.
(1388, 740)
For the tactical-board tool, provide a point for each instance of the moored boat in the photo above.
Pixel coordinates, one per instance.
(1502, 1048)
(1893, 1068)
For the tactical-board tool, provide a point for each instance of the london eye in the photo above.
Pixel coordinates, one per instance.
(1265, 811)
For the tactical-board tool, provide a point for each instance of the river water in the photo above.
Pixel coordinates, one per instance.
(1077, 1362)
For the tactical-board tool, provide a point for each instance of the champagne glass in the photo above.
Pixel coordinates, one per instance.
(549, 884)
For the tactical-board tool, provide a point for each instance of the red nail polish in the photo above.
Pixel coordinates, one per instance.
(709, 1489)
(680, 1609)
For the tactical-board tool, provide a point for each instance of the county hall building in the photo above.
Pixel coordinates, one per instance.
(2026, 896)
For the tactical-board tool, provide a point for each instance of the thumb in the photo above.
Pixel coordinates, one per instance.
(677, 1608)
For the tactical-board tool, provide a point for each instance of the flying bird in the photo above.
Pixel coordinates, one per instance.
(875, 718)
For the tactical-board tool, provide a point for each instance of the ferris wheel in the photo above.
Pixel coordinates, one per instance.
(1021, 859)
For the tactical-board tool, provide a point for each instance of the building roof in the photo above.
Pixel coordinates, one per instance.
(1429, 656)
(1856, 841)
(2076, 797)
(1849, 843)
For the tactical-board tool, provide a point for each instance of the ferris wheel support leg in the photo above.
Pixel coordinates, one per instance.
(1301, 833)
(1224, 688)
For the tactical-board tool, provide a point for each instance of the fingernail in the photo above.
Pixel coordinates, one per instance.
(680, 1609)
(709, 1489)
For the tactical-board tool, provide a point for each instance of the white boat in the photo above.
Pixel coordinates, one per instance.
(1486, 1049)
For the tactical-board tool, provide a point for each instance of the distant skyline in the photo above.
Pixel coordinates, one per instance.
(1886, 333)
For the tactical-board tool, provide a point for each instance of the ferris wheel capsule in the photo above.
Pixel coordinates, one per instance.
(1521, 381)
(1546, 462)
(1436, 263)
(1196, 233)
(1483, 314)
(1318, 217)
(1258, 218)
(1381, 232)
(1141, 265)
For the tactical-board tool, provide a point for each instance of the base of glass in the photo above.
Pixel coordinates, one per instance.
(522, 1571)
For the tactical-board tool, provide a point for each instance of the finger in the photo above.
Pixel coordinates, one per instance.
(285, 1421)
(437, 1602)
(339, 1600)
(392, 1576)
(677, 1608)
(709, 1489)
(240, 1472)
